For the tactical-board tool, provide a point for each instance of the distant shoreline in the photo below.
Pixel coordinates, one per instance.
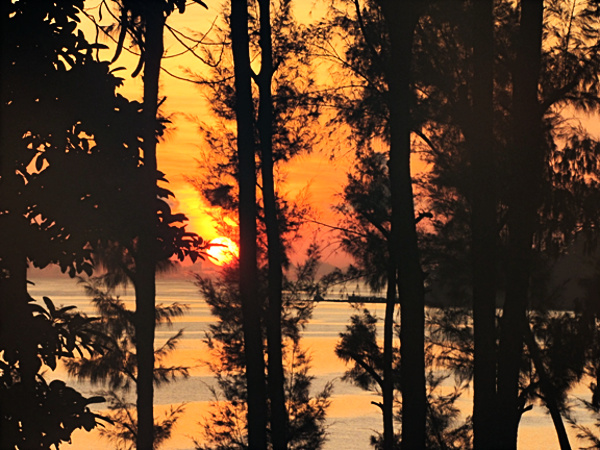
(382, 300)
(351, 299)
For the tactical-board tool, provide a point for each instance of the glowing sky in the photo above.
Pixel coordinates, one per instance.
(316, 174)
(177, 153)
(182, 145)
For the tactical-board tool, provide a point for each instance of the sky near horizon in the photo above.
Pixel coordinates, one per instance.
(316, 175)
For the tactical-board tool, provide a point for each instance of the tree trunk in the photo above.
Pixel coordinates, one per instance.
(401, 18)
(387, 389)
(144, 331)
(548, 389)
(524, 199)
(147, 252)
(480, 142)
(251, 305)
(278, 412)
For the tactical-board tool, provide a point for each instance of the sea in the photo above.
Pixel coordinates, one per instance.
(351, 418)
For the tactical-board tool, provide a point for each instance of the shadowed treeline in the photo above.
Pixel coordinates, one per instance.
(79, 189)
(505, 191)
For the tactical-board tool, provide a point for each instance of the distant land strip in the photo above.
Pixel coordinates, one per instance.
(351, 299)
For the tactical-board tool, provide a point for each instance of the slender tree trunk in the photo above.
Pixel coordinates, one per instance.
(402, 18)
(548, 389)
(144, 324)
(480, 142)
(278, 412)
(387, 389)
(525, 184)
(251, 305)
(147, 252)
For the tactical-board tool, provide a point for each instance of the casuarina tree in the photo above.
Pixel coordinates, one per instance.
(144, 22)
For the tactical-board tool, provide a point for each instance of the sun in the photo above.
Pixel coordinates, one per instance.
(222, 250)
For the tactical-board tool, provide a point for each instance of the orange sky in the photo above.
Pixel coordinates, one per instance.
(176, 154)
(182, 144)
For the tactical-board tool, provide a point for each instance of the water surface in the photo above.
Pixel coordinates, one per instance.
(352, 419)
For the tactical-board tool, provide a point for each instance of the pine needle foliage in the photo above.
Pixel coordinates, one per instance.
(225, 428)
(116, 366)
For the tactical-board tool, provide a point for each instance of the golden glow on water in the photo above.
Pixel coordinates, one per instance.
(351, 419)
(350, 405)
(321, 351)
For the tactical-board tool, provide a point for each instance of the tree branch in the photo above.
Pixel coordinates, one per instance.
(367, 368)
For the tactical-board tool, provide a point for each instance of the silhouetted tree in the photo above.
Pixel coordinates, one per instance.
(588, 326)
(549, 234)
(368, 239)
(55, 410)
(116, 366)
(251, 308)
(526, 177)
(386, 69)
(401, 19)
(358, 347)
(50, 134)
(144, 22)
(225, 428)
(275, 377)
(277, 121)
(444, 120)
(479, 137)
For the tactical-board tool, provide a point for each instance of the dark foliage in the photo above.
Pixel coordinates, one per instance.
(359, 348)
(226, 426)
(116, 366)
(58, 410)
